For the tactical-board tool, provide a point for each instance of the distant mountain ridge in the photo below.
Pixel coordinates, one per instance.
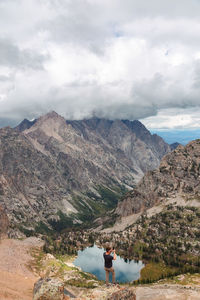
(105, 127)
(25, 124)
(52, 169)
(182, 136)
(122, 135)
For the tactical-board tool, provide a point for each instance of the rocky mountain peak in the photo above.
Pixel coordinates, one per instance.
(52, 114)
(51, 124)
(52, 117)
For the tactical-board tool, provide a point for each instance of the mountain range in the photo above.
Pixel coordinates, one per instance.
(56, 172)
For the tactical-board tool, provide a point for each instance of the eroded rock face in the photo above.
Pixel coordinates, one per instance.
(48, 289)
(178, 174)
(31, 187)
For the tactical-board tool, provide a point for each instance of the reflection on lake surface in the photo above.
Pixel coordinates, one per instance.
(91, 260)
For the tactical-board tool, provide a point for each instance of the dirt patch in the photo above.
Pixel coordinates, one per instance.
(16, 279)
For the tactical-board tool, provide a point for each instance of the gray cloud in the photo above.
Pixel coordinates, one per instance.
(93, 23)
(4, 78)
(113, 59)
(12, 56)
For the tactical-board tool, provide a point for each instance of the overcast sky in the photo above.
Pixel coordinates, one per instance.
(130, 59)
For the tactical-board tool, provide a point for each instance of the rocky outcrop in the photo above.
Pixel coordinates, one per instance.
(53, 289)
(48, 289)
(178, 174)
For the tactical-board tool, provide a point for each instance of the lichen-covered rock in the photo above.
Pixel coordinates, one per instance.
(123, 294)
(48, 289)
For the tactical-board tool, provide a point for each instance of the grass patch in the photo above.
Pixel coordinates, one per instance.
(82, 283)
(65, 258)
(155, 271)
(87, 276)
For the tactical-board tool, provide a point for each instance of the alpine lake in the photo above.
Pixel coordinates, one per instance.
(91, 260)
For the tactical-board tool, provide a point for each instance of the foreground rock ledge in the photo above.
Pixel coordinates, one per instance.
(53, 289)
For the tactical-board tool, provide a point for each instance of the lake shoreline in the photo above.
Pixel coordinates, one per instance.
(91, 260)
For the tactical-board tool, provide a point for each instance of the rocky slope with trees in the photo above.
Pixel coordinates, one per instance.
(177, 178)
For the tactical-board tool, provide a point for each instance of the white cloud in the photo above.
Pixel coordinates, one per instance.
(174, 119)
(115, 59)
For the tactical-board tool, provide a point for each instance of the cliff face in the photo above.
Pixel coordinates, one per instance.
(129, 138)
(52, 166)
(178, 174)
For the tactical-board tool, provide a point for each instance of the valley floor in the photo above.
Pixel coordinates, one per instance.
(16, 280)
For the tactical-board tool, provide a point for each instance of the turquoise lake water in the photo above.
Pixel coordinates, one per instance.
(91, 260)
